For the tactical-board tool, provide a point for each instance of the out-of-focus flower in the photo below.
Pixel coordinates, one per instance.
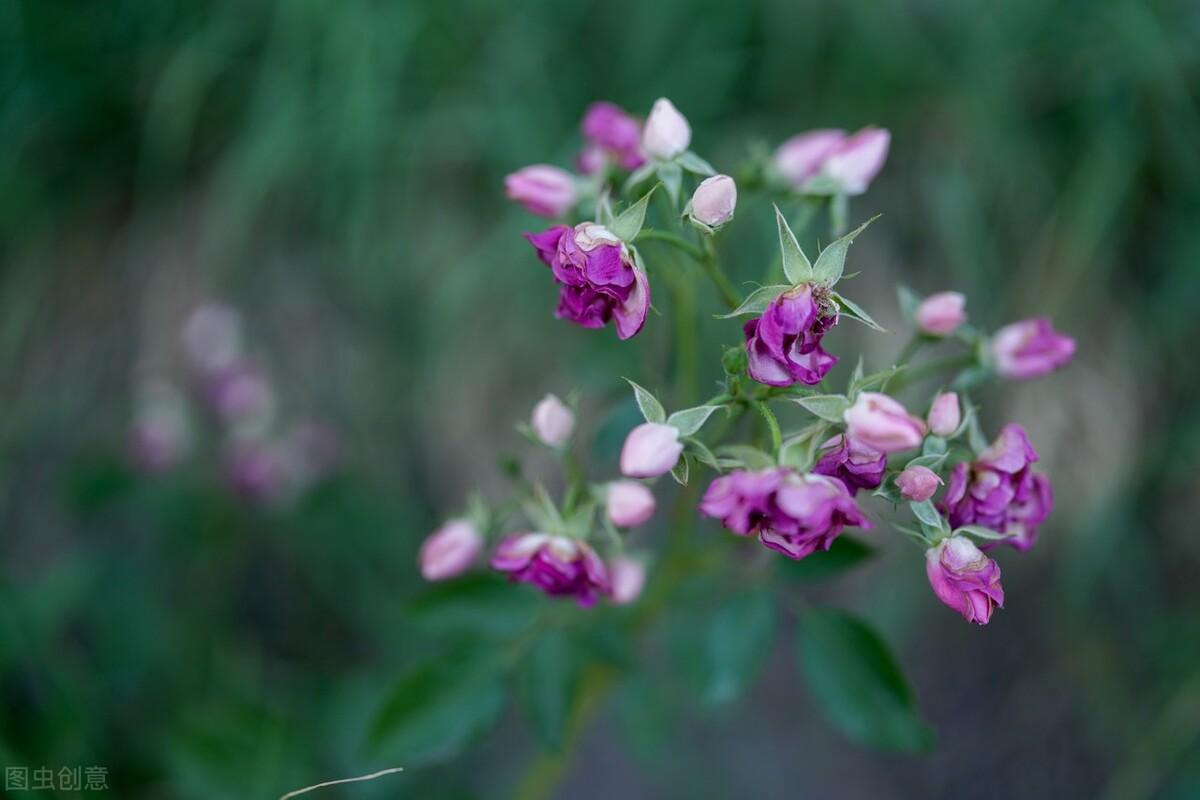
(257, 470)
(791, 513)
(999, 490)
(598, 277)
(945, 415)
(629, 503)
(831, 157)
(918, 482)
(450, 550)
(666, 133)
(611, 134)
(651, 449)
(1030, 348)
(854, 463)
(312, 450)
(801, 157)
(628, 578)
(212, 337)
(940, 314)
(964, 578)
(714, 200)
(161, 433)
(783, 346)
(858, 160)
(543, 189)
(241, 396)
(879, 421)
(557, 565)
(552, 421)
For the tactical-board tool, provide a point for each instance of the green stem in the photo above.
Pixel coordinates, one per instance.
(772, 425)
(914, 344)
(931, 368)
(651, 235)
(713, 269)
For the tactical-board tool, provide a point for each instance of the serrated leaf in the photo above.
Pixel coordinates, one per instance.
(743, 455)
(829, 407)
(629, 223)
(980, 532)
(549, 681)
(737, 644)
(680, 471)
(690, 420)
(831, 263)
(695, 164)
(757, 302)
(796, 265)
(844, 554)
(855, 312)
(651, 409)
(854, 678)
(928, 515)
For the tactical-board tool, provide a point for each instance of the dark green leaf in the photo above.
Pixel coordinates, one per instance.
(548, 683)
(737, 645)
(845, 553)
(477, 605)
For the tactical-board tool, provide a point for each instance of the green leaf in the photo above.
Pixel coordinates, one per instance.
(652, 410)
(549, 681)
(483, 605)
(799, 451)
(695, 164)
(875, 379)
(737, 644)
(743, 455)
(856, 681)
(932, 461)
(845, 553)
(831, 263)
(795, 264)
(829, 407)
(926, 513)
(628, 225)
(638, 176)
(672, 179)
(700, 450)
(757, 302)
(690, 420)
(980, 532)
(680, 471)
(855, 312)
(888, 491)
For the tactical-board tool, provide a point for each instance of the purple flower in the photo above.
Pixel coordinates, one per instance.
(1030, 348)
(612, 135)
(557, 565)
(598, 277)
(964, 578)
(793, 514)
(257, 470)
(542, 189)
(449, 551)
(784, 344)
(854, 463)
(1000, 491)
(850, 163)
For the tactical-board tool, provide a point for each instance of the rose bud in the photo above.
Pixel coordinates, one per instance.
(852, 462)
(783, 346)
(918, 483)
(212, 337)
(940, 314)
(714, 200)
(1030, 348)
(552, 421)
(878, 421)
(450, 550)
(944, 415)
(557, 565)
(666, 133)
(628, 576)
(651, 449)
(629, 504)
(964, 578)
(613, 134)
(802, 156)
(856, 162)
(544, 190)
(597, 275)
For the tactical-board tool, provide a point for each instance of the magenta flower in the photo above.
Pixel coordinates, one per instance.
(1000, 491)
(854, 463)
(918, 483)
(792, 514)
(651, 449)
(544, 190)
(879, 421)
(848, 163)
(612, 135)
(450, 550)
(1030, 348)
(784, 344)
(964, 578)
(557, 565)
(598, 277)
(940, 314)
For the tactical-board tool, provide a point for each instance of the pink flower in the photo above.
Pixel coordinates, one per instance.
(1030, 348)
(161, 434)
(878, 421)
(918, 483)
(940, 314)
(212, 337)
(629, 504)
(557, 565)
(544, 190)
(611, 134)
(666, 133)
(964, 578)
(850, 163)
(714, 200)
(944, 415)
(628, 578)
(783, 346)
(801, 157)
(651, 449)
(450, 550)
(552, 421)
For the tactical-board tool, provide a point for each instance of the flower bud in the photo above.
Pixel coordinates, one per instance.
(161, 434)
(651, 449)
(611, 134)
(212, 337)
(544, 190)
(940, 314)
(714, 200)
(858, 160)
(629, 504)
(944, 415)
(964, 578)
(1030, 348)
(628, 576)
(878, 421)
(552, 421)
(666, 133)
(918, 483)
(450, 550)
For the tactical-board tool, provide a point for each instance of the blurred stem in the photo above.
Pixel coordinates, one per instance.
(666, 237)
(931, 368)
(839, 214)
(911, 348)
(717, 275)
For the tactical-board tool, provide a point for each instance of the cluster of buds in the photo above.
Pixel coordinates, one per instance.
(795, 491)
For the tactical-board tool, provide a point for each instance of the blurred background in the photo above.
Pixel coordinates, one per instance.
(205, 628)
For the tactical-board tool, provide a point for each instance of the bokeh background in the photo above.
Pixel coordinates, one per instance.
(334, 170)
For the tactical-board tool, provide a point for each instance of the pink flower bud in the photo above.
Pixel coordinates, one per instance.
(944, 415)
(801, 157)
(628, 576)
(212, 337)
(666, 133)
(714, 200)
(162, 432)
(940, 314)
(629, 504)
(651, 449)
(964, 578)
(858, 160)
(450, 550)
(878, 421)
(544, 190)
(552, 421)
(1030, 348)
(918, 483)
